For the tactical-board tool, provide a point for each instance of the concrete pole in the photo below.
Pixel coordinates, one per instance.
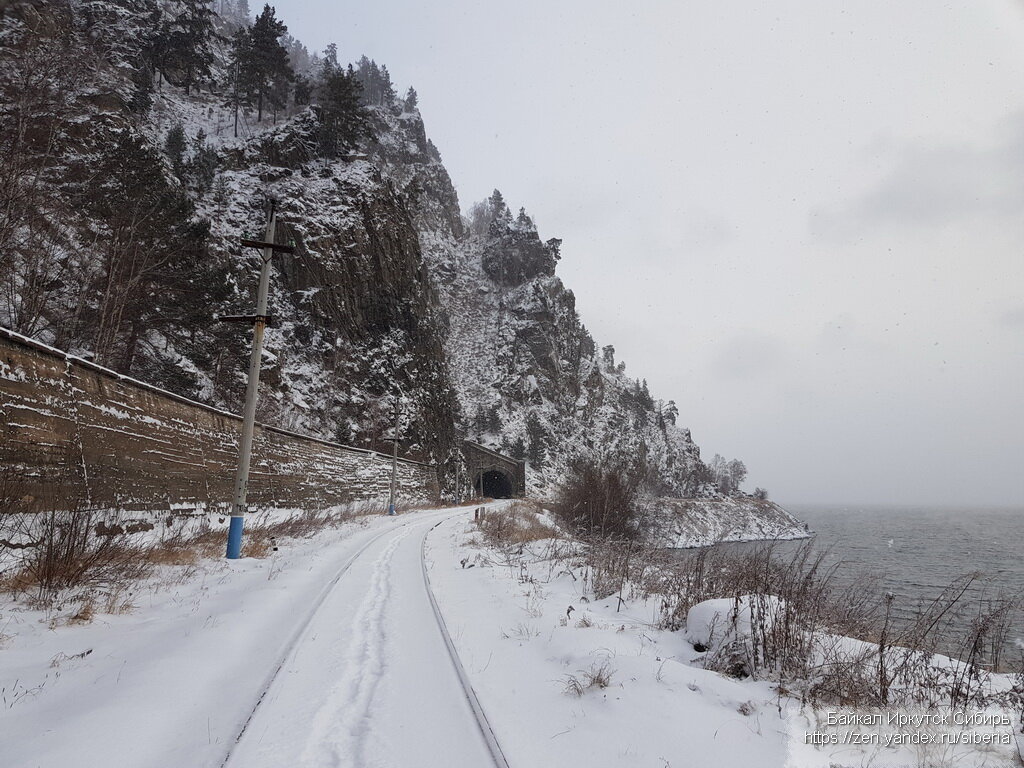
(249, 414)
(394, 462)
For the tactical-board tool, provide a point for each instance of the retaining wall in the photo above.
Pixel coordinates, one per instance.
(75, 432)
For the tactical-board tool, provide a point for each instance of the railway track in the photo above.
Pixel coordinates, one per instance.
(365, 635)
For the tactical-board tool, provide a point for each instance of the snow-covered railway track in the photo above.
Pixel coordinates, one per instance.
(371, 677)
(471, 698)
(298, 634)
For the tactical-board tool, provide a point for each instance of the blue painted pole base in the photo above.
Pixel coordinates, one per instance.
(235, 538)
(391, 509)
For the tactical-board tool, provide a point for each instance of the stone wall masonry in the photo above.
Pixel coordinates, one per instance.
(72, 432)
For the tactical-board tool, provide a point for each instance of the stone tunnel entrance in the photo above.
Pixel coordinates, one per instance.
(492, 474)
(495, 484)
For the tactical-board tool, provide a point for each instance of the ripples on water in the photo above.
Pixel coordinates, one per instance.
(915, 552)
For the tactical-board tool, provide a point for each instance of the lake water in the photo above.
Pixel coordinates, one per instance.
(915, 552)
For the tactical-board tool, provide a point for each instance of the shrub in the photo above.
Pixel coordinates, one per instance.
(600, 500)
(64, 549)
(518, 523)
(834, 646)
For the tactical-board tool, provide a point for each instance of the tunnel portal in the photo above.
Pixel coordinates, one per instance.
(492, 474)
(495, 484)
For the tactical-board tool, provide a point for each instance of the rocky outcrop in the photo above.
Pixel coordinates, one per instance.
(358, 335)
(701, 522)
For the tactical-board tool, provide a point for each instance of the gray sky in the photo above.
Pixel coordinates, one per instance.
(800, 220)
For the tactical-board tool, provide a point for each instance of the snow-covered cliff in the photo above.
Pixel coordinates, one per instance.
(394, 305)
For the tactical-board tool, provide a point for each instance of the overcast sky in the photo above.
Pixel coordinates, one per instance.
(803, 221)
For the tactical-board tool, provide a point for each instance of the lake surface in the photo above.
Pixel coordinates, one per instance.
(915, 551)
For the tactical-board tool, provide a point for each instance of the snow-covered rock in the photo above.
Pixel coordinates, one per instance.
(682, 523)
(716, 624)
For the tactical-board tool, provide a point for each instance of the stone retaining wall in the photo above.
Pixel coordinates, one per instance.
(72, 432)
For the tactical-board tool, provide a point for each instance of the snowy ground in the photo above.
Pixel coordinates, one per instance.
(173, 681)
(523, 649)
(336, 641)
(658, 710)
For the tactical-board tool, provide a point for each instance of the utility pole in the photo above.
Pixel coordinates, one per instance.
(394, 461)
(235, 98)
(458, 491)
(260, 321)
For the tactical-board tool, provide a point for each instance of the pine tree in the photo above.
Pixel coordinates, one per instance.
(186, 43)
(303, 91)
(501, 217)
(644, 397)
(298, 55)
(536, 441)
(670, 411)
(242, 15)
(330, 56)
(202, 166)
(376, 82)
(524, 223)
(411, 99)
(174, 146)
(493, 420)
(517, 449)
(343, 118)
(149, 280)
(266, 61)
(240, 72)
(387, 88)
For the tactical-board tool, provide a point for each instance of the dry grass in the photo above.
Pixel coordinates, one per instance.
(176, 551)
(85, 613)
(517, 524)
(61, 550)
(598, 676)
(799, 616)
(261, 535)
(57, 558)
(790, 642)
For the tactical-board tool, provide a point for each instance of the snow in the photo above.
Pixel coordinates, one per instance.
(329, 654)
(353, 691)
(716, 623)
(687, 523)
(520, 644)
(519, 647)
(170, 677)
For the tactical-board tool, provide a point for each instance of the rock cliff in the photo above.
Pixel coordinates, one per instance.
(394, 305)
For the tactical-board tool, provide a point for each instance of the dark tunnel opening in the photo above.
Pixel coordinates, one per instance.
(494, 484)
